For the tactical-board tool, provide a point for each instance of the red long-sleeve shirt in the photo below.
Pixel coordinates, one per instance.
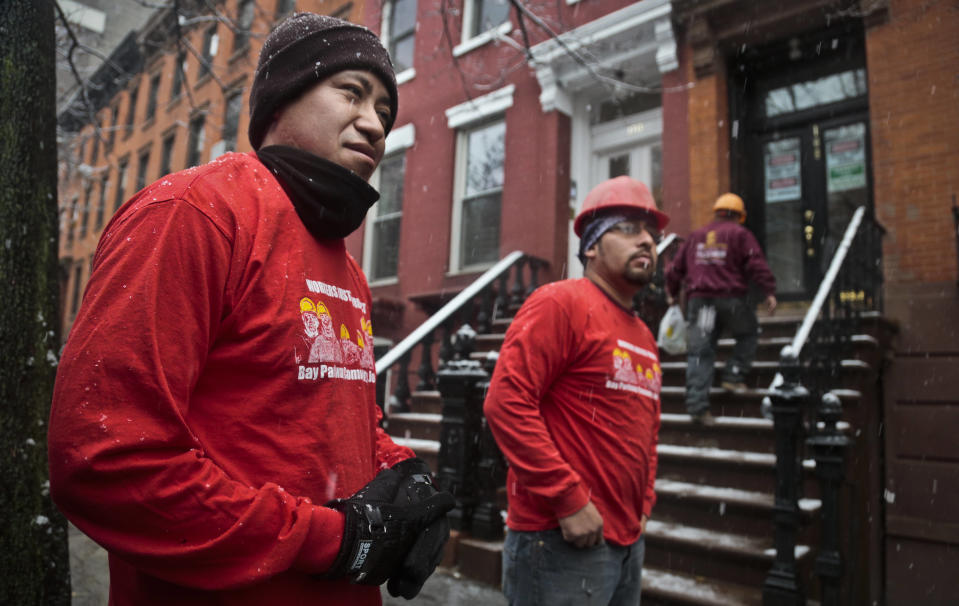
(216, 389)
(574, 406)
(719, 260)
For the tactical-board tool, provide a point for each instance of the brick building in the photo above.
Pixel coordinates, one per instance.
(806, 108)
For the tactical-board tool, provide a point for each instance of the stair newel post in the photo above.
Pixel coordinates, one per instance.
(400, 400)
(490, 471)
(425, 371)
(502, 295)
(460, 426)
(518, 290)
(533, 278)
(445, 352)
(829, 447)
(782, 586)
(485, 313)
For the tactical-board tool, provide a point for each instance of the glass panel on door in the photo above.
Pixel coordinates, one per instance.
(846, 184)
(784, 224)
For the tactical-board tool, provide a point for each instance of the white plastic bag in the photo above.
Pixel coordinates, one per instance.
(672, 331)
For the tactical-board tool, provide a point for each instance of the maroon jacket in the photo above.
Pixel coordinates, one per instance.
(719, 260)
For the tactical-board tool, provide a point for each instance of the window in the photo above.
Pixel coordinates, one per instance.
(231, 120)
(179, 73)
(72, 218)
(81, 149)
(244, 19)
(152, 98)
(210, 43)
(95, 152)
(77, 277)
(166, 155)
(121, 183)
(196, 140)
(112, 136)
(142, 165)
(481, 153)
(102, 201)
(132, 108)
(484, 15)
(384, 231)
(284, 7)
(401, 30)
(85, 210)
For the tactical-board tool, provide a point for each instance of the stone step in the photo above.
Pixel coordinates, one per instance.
(725, 509)
(416, 425)
(729, 557)
(428, 450)
(662, 587)
(752, 471)
(853, 372)
(738, 433)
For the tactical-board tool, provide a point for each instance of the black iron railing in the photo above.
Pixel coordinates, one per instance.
(810, 368)
(503, 286)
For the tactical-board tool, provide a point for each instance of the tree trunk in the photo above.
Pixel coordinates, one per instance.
(34, 560)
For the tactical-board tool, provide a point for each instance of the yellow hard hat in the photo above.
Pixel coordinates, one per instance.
(733, 203)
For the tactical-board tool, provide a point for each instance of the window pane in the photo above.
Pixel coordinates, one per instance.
(391, 185)
(484, 163)
(803, 95)
(619, 166)
(195, 147)
(402, 53)
(231, 120)
(784, 247)
(386, 234)
(479, 242)
(403, 17)
(490, 13)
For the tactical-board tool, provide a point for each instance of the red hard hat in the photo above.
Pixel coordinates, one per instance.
(622, 193)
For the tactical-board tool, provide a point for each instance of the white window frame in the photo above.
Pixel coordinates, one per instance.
(398, 141)
(461, 118)
(471, 43)
(409, 73)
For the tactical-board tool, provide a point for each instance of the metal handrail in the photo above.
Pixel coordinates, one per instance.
(437, 319)
(802, 334)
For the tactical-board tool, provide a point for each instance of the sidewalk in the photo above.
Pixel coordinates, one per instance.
(91, 582)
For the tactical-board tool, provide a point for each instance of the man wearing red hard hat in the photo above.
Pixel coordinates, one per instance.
(715, 264)
(574, 406)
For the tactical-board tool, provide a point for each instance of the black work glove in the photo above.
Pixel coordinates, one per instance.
(378, 534)
(427, 551)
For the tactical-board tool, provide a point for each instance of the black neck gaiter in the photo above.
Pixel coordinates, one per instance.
(330, 200)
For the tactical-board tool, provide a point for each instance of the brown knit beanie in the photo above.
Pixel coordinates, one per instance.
(304, 49)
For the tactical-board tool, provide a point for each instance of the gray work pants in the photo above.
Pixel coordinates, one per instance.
(707, 318)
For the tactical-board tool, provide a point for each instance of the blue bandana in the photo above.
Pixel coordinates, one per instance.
(596, 228)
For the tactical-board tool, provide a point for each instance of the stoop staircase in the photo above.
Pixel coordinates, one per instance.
(711, 536)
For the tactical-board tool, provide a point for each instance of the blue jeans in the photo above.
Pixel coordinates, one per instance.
(541, 569)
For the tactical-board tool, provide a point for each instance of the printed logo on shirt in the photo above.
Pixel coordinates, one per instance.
(323, 352)
(711, 252)
(644, 376)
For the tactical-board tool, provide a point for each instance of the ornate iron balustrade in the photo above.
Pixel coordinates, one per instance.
(850, 290)
(505, 285)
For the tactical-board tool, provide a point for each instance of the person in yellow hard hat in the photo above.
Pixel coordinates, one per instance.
(715, 265)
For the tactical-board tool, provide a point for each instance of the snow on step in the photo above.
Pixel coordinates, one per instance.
(417, 444)
(737, 422)
(423, 417)
(713, 539)
(660, 582)
(717, 454)
(724, 494)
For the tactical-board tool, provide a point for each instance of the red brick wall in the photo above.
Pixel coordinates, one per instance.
(913, 62)
(708, 142)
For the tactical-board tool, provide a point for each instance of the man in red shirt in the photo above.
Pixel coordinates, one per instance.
(208, 428)
(716, 264)
(574, 406)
